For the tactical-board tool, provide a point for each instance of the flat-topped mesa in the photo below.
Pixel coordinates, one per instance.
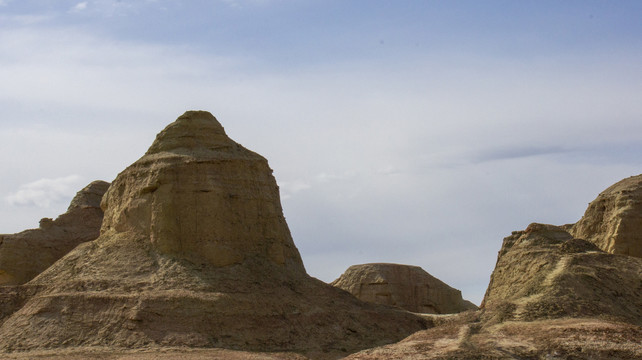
(404, 286)
(198, 195)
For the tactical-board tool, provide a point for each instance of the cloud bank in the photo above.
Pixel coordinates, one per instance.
(44, 192)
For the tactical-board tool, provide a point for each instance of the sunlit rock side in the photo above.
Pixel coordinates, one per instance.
(544, 272)
(613, 221)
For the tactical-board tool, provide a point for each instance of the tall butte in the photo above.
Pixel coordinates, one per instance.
(194, 251)
(200, 196)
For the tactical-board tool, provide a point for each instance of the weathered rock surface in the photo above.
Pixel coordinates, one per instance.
(200, 196)
(544, 273)
(26, 254)
(404, 286)
(194, 251)
(613, 221)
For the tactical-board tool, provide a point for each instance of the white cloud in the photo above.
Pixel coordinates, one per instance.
(44, 192)
(79, 7)
(289, 188)
(65, 67)
(24, 20)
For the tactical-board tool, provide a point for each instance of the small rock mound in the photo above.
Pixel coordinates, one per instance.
(613, 221)
(545, 273)
(26, 254)
(404, 286)
(194, 251)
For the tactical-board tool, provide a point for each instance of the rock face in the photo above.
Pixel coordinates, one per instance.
(198, 195)
(26, 254)
(194, 251)
(543, 273)
(404, 286)
(613, 221)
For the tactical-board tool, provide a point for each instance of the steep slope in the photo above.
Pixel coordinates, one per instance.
(404, 286)
(543, 273)
(194, 251)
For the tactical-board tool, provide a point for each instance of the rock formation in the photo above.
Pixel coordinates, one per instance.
(198, 195)
(194, 251)
(613, 221)
(551, 296)
(543, 273)
(404, 286)
(26, 254)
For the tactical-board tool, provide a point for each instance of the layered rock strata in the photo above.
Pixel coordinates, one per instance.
(404, 286)
(198, 195)
(194, 251)
(26, 254)
(613, 221)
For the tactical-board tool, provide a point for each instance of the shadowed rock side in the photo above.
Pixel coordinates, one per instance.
(404, 286)
(543, 273)
(26, 254)
(194, 251)
(613, 221)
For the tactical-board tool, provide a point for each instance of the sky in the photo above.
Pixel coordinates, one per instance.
(412, 132)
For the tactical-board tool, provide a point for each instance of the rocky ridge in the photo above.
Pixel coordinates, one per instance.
(26, 254)
(544, 272)
(551, 296)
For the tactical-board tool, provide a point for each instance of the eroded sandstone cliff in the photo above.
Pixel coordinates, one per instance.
(26, 254)
(544, 272)
(613, 221)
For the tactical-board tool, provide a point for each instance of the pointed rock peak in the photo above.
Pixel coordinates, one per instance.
(200, 196)
(194, 130)
(89, 196)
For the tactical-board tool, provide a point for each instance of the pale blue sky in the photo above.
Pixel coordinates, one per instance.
(418, 132)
